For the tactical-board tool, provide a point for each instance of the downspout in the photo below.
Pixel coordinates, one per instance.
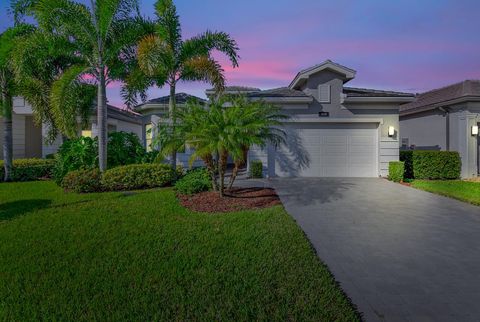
(446, 114)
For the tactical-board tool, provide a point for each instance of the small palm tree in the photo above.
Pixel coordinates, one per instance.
(8, 89)
(103, 36)
(228, 127)
(166, 59)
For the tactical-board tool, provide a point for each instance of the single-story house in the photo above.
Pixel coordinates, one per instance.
(29, 138)
(334, 130)
(154, 111)
(445, 119)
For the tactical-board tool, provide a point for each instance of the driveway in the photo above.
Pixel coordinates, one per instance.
(399, 253)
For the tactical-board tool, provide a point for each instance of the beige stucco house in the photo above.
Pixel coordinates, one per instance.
(29, 138)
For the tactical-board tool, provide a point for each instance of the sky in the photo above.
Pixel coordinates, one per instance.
(404, 45)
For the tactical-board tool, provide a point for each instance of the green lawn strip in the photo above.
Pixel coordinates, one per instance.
(461, 190)
(113, 256)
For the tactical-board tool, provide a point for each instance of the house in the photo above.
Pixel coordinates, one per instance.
(29, 138)
(445, 119)
(154, 111)
(334, 130)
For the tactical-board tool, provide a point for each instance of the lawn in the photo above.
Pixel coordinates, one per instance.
(141, 256)
(461, 190)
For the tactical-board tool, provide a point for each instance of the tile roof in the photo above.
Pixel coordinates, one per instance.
(181, 98)
(367, 92)
(278, 92)
(427, 100)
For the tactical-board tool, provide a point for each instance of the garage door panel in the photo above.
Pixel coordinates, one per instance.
(319, 150)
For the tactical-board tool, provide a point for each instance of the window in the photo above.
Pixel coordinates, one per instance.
(148, 137)
(324, 93)
(87, 133)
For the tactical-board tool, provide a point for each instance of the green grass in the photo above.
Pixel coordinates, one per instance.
(141, 256)
(461, 190)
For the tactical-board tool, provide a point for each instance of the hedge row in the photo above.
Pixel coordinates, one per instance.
(29, 169)
(396, 170)
(433, 165)
(129, 177)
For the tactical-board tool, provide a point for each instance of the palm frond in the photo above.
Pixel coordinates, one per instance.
(206, 69)
(154, 56)
(168, 24)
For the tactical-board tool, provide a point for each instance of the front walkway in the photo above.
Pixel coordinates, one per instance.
(399, 253)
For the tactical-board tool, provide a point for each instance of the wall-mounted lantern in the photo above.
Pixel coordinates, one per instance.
(391, 131)
(475, 130)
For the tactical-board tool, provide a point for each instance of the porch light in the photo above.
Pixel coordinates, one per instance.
(475, 130)
(391, 131)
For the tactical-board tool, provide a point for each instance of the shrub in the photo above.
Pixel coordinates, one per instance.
(75, 154)
(137, 176)
(256, 169)
(124, 148)
(436, 165)
(82, 181)
(195, 181)
(407, 158)
(153, 156)
(29, 169)
(396, 170)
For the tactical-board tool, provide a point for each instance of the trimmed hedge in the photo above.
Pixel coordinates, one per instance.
(195, 181)
(256, 169)
(137, 176)
(29, 169)
(82, 181)
(396, 170)
(432, 165)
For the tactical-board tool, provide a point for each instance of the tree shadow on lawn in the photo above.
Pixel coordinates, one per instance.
(11, 210)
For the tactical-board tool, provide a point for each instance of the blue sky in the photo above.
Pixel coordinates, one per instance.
(399, 45)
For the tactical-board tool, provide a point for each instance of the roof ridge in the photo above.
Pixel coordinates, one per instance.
(375, 90)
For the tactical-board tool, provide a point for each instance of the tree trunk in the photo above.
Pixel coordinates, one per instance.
(222, 166)
(172, 113)
(102, 120)
(238, 164)
(7, 136)
(208, 160)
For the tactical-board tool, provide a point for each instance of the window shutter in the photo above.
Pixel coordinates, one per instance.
(324, 93)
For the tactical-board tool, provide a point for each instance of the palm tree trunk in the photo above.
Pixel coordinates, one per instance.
(234, 174)
(7, 136)
(102, 120)
(222, 166)
(208, 160)
(172, 114)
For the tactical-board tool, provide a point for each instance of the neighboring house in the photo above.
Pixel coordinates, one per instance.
(335, 131)
(445, 119)
(155, 111)
(29, 138)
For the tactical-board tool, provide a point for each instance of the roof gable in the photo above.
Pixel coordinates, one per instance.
(346, 73)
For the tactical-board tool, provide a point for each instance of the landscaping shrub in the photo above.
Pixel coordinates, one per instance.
(82, 181)
(124, 148)
(433, 165)
(195, 181)
(407, 158)
(153, 156)
(396, 170)
(137, 176)
(75, 154)
(436, 165)
(29, 169)
(256, 169)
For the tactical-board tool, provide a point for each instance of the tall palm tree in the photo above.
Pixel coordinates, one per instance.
(103, 35)
(8, 90)
(228, 127)
(167, 59)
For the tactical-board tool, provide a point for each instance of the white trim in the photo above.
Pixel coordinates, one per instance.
(328, 64)
(333, 120)
(291, 99)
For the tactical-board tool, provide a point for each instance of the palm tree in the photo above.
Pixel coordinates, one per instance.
(228, 127)
(103, 36)
(166, 59)
(8, 90)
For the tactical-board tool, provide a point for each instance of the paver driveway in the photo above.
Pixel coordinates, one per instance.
(399, 253)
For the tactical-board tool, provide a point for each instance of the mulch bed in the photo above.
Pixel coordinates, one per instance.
(234, 200)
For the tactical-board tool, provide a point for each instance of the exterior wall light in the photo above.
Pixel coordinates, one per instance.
(475, 130)
(391, 131)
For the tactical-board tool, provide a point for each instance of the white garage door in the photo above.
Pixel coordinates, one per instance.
(327, 150)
